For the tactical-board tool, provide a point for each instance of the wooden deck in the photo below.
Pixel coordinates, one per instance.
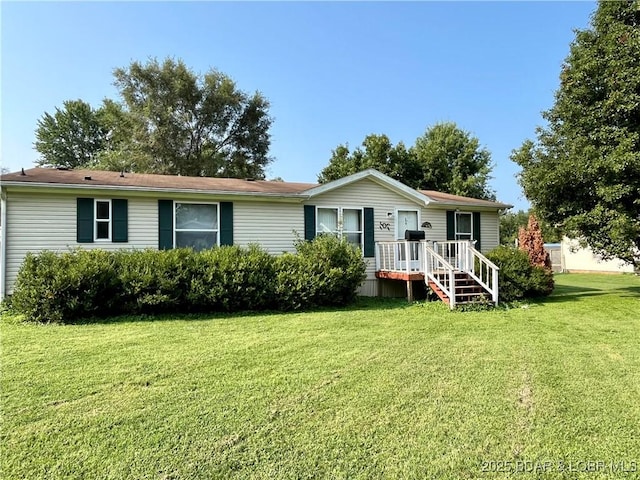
(399, 275)
(454, 270)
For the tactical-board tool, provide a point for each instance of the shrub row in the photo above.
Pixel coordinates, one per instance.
(518, 278)
(64, 287)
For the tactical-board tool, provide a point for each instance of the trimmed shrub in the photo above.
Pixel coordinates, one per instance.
(54, 287)
(541, 282)
(293, 288)
(154, 281)
(517, 278)
(326, 271)
(231, 279)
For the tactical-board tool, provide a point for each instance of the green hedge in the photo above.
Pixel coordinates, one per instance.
(78, 284)
(517, 278)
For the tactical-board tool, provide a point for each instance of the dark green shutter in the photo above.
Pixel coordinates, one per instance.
(84, 220)
(369, 233)
(120, 220)
(476, 229)
(451, 225)
(309, 222)
(226, 223)
(165, 224)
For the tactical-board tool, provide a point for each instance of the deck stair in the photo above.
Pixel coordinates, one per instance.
(467, 289)
(457, 272)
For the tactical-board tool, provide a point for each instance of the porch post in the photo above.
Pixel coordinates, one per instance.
(409, 291)
(407, 257)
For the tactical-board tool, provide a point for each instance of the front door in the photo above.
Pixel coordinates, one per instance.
(407, 220)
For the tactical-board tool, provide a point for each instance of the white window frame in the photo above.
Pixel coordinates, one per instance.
(340, 232)
(97, 220)
(396, 215)
(360, 232)
(175, 223)
(338, 218)
(470, 234)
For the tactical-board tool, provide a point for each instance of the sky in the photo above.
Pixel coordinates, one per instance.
(333, 72)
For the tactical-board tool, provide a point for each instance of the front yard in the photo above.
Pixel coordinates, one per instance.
(379, 390)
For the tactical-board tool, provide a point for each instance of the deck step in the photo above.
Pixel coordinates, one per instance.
(467, 290)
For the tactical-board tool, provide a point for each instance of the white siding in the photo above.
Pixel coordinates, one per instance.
(578, 259)
(271, 225)
(366, 193)
(489, 230)
(48, 222)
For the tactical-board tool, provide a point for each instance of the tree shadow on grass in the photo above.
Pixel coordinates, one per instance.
(360, 304)
(566, 293)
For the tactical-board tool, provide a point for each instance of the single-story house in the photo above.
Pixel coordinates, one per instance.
(570, 256)
(60, 209)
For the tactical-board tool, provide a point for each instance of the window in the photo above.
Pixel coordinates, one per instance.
(102, 220)
(352, 225)
(464, 226)
(196, 225)
(343, 222)
(327, 221)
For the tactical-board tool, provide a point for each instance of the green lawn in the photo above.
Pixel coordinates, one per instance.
(379, 390)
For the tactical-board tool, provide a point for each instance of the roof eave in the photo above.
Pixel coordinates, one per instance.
(498, 206)
(188, 191)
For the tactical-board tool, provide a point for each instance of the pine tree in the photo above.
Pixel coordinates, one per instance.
(531, 241)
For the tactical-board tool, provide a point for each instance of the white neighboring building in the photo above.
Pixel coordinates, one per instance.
(578, 259)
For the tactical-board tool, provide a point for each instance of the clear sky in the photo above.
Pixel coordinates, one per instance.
(334, 72)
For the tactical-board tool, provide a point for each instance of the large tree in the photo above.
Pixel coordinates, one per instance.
(377, 152)
(452, 160)
(194, 125)
(72, 137)
(583, 172)
(170, 120)
(445, 158)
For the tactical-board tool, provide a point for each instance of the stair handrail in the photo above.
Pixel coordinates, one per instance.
(487, 274)
(431, 258)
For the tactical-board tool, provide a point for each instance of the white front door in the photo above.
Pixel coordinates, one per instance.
(407, 220)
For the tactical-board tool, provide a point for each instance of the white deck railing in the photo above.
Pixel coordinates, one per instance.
(400, 256)
(435, 259)
(465, 258)
(440, 272)
(485, 272)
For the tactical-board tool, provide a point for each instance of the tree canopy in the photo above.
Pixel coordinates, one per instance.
(511, 222)
(583, 170)
(72, 137)
(168, 120)
(445, 158)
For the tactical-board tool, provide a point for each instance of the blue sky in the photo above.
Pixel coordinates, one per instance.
(334, 72)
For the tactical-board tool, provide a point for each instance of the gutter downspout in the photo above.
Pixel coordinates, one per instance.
(3, 244)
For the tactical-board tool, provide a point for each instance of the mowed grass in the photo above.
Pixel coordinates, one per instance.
(379, 390)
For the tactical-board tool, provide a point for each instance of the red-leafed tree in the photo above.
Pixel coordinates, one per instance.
(530, 240)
